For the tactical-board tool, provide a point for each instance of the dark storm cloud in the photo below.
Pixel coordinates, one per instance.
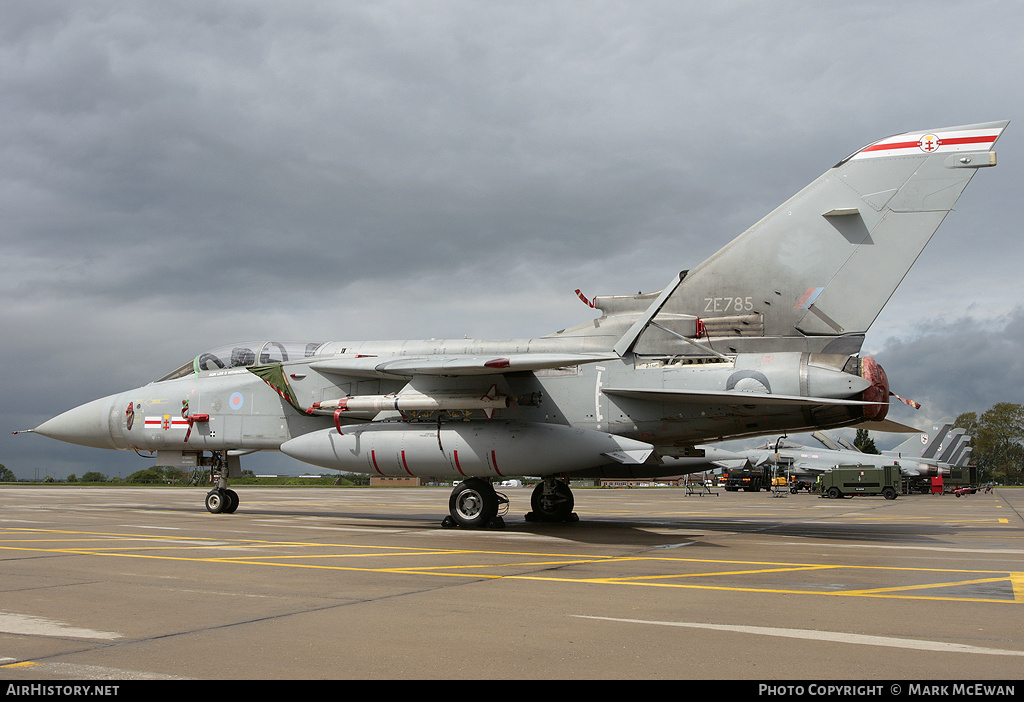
(959, 365)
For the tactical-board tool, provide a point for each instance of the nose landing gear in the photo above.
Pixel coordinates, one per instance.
(221, 499)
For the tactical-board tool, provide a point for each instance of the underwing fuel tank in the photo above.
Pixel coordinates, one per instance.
(464, 449)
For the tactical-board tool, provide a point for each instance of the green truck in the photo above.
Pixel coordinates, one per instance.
(850, 480)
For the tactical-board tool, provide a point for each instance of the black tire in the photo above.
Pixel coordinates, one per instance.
(473, 503)
(217, 501)
(889, 493)
(232, 505)
(555, 507)
(834, 493)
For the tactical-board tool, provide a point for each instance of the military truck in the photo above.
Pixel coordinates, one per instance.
(850, 480)
(748, 478)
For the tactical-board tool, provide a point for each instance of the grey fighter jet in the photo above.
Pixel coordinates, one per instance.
(930, 453)
(763, 337)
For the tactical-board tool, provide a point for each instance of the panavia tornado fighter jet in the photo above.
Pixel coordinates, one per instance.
(762, 338)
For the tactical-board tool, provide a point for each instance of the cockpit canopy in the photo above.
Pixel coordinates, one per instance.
(244, 355)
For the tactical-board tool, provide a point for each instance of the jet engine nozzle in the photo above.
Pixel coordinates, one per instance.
(877, 392)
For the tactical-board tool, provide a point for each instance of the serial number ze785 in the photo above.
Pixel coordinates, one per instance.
(728, 304)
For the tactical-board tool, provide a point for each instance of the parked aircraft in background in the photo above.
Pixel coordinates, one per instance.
(764, 337)
(932, 453)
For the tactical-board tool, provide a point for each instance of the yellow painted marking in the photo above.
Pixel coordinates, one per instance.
(786, 569)
(22, 664)
(156, 547)
(1017, 580)
(925, 586)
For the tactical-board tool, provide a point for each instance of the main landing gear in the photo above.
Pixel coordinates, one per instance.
(552, 501)
(474, 504)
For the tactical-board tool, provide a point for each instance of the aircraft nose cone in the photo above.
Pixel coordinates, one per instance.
(87, 425)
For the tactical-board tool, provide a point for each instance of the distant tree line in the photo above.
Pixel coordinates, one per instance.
(998, 441)
(171, 475)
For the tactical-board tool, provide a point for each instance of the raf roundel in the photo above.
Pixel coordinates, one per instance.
(236, 401)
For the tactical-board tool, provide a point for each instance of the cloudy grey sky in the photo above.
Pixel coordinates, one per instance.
(178, 176)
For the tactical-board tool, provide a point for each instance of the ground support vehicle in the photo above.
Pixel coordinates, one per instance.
(851, 480)
(748, 478)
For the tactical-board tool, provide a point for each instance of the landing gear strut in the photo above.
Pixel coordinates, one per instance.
(221, 499)
(474, 504)
(552, 501)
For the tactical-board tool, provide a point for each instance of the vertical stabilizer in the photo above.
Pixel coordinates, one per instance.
(926, 444)
(961, 457)
(947, 451)
(935, 438)
(817, 271)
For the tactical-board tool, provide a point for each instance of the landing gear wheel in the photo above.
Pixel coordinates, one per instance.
(221, 499)
(217, 501)
(552, 501)
(473, 504)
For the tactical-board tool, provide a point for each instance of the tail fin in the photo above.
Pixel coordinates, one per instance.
(963, 454)
(818, 270)
(925, 445)
(946, 454)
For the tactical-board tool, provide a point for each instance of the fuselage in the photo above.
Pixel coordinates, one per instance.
(217, 402)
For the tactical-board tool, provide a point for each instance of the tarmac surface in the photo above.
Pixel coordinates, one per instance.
(357, 583)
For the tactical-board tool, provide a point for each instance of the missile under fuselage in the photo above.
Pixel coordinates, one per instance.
(464, 449)
(414, 402)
